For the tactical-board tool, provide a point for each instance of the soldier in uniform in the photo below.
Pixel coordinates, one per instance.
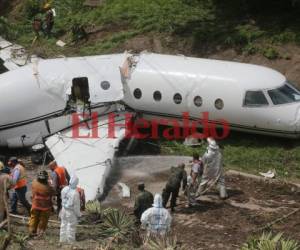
(143, 201)
(178, 175)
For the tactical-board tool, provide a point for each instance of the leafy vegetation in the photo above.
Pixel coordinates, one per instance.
(117, 225)
(267, 241)
(248, 26)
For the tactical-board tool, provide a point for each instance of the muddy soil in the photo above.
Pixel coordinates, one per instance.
(216, 224)
(212, 224)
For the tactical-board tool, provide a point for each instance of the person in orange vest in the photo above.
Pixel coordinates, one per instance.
(19, 180)
(41, 204)
(60, 178)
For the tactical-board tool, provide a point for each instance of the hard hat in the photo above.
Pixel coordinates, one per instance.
(13, 159)
(47, 6)
(43, 175)
(1, 166)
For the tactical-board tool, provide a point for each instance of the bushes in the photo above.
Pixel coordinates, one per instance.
(270, 242)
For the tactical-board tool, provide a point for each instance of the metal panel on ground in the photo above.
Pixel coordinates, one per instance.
(89, 158)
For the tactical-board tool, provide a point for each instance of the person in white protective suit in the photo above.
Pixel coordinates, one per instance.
(213, 170)
(70, 211)
(157, 220)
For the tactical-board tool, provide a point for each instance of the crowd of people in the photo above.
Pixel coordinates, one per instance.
(150, 211)
(70, 198)
(205, 173)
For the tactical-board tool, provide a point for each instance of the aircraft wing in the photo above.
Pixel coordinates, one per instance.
(13, 55)
(90, 159)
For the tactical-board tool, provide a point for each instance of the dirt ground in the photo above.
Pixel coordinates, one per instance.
(212, 224)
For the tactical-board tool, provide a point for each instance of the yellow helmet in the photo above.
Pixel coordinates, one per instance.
(1, 166)
(47, 6)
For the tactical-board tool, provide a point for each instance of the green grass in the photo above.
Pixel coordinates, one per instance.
(250, 153)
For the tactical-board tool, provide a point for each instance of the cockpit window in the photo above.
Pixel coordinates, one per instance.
(284, 94)
(255, 98)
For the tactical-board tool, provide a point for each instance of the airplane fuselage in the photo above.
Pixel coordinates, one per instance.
(250, 98)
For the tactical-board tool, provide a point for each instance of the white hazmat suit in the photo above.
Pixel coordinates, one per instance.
(213, 170)
(157, 220)
(70, 211)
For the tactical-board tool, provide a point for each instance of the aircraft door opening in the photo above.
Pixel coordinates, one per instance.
(79, 100)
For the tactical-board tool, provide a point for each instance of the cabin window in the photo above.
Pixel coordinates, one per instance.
(105, 85)
(198, 101)
(157, 96)
(255, 98)
(284, 94)
(177, 98)
(219, 104)
(80, 89)
(137, 93)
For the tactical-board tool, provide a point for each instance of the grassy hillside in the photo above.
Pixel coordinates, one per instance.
(204, 25)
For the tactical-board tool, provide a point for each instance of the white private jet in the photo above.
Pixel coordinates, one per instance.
(38, 102)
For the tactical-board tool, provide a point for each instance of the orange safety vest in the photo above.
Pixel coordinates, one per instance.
(61, 177)
(41, 196)
(21, 182)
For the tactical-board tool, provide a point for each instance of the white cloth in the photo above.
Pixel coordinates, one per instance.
(70, 211)
(157, 220)
(213, 171)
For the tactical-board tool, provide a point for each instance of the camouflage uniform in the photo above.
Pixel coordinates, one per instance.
(172, 187)
(143, 201)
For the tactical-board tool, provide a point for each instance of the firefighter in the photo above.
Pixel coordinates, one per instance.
(5, 183)
(42, 193)
(60, 178)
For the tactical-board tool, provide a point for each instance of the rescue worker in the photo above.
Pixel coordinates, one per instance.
(156, 220)
(197, 169)
(49, 19)
(194, 179)
(143, 201)
(37, 24)
(19, 180)
(178, 175)
(70, 211)
(60, 178)
(41, 204)
(5, 183)
(213, 170)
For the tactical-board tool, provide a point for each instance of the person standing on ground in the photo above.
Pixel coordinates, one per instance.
(156, 220)
(60, 178)
(70, 211)
(194, 179)
(19, 180)
(5, 183)
(41, 204)
(143, 201)
(49, 19)
(178, 175)
(213, 170)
